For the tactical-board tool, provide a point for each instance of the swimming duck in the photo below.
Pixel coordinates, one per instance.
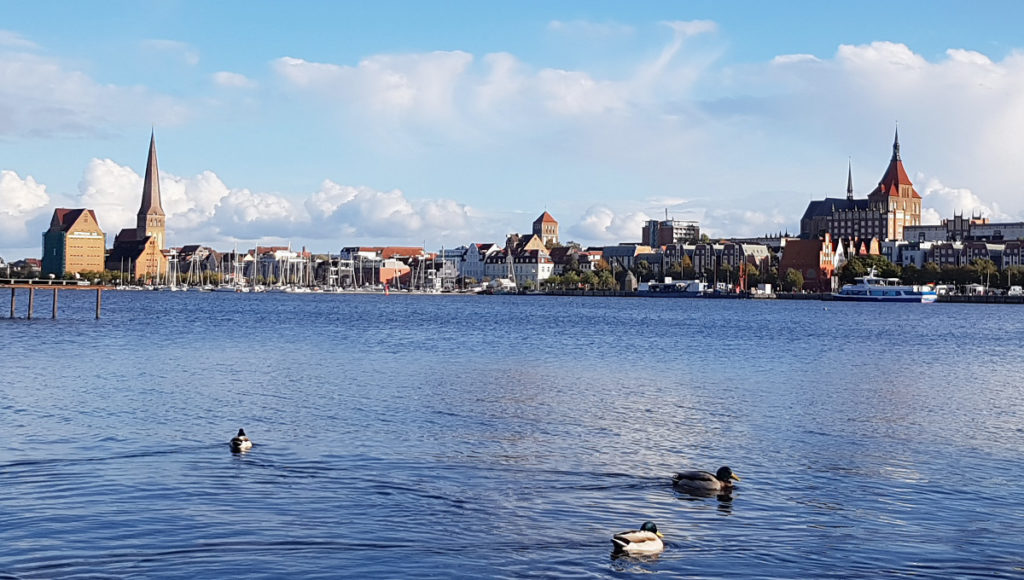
(705, 480)
(646, 540)
(240, 442)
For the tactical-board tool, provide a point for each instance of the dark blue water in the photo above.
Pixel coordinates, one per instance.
(457, 436)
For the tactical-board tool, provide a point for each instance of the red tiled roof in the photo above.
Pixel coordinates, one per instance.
(545, 218)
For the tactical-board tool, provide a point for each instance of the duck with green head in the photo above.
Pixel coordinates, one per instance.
(646, 540)
(705, 481)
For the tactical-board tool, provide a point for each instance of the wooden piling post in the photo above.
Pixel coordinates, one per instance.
(54, 303)
(99, 300)
(12, 302)
(31, 301)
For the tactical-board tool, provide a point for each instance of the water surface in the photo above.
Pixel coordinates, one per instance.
(459, 436)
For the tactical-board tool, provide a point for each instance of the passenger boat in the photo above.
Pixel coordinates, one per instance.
(872, 288)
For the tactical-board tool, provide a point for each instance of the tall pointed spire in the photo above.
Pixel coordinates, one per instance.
(896, 145)
(849, 181)
(151, 218)
(151, 184)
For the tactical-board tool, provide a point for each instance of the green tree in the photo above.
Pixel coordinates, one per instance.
(985, 268)
(553, 281)
(605, 280)
(571, 279)
(913, 275)
(572, 264)
(642, 270)
(1014, 276)
(794, 280)
(686, 267)
(589, 279)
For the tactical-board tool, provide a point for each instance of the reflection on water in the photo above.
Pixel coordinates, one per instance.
(425, 435)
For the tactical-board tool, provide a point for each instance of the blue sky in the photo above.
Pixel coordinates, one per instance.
(329, 124)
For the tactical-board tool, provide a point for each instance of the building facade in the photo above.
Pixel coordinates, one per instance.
(546, 227)
(662, 233)
(74, 243)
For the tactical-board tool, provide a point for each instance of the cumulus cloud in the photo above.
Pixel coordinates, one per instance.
(942, 202)
(602, 224)
(203, 209)
(232, 80)
(22, 202)
(387, 214)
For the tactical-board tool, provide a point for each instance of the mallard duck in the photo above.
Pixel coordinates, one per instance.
(646, 540)
(705, 480)
(240, 442)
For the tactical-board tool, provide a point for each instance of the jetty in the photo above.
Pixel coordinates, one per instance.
(53, 286)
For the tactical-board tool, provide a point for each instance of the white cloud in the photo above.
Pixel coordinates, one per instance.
(392, 85)
(941, 202)
(601, 223)
(388, 215)
(232, 80)
(14, 40)
(784, 59)
(22, 202)
(39, 97)
(202, 209)
(180, 50)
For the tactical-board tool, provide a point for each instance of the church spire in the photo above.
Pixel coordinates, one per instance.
(151, 220)
(151, 184)
(849, 181)
(896, 145)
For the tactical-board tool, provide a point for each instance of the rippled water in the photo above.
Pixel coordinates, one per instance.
(448, 436)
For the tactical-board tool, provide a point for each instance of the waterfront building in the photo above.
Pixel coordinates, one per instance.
(546, 227)
(1011, 254)
(705, 258)
(815, 259)
(657, 233)
(960, 228)
(141, 249)
(623, 256)
(473, 260)
(563, 257)
(889, 209)
(74, 243)
(533, 266)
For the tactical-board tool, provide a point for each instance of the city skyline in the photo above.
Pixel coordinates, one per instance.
(335, 125)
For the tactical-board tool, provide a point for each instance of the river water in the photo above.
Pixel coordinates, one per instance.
(503, 436)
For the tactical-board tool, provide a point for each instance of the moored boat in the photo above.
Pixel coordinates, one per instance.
(872, 288)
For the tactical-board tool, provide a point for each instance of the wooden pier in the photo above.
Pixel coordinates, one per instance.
(54, 286)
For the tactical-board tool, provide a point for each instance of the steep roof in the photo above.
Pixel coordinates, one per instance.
(895, 175)
(64, 218)
(825, 207)
(151, 183)
(545, 218)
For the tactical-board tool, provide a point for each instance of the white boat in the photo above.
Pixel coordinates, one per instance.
(872, 288)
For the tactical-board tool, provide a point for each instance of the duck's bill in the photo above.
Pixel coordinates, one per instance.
(736, 477)
(660, 535)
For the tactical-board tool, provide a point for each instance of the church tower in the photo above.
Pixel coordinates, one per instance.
(896, 196)
(151, 220)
